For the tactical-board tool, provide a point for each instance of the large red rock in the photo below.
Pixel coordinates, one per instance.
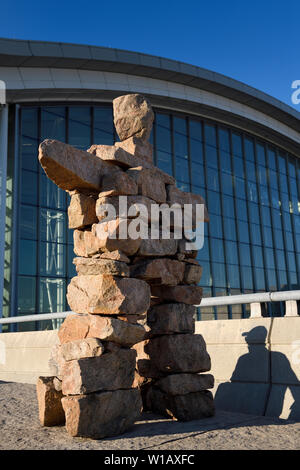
(186, 407)
(78, 327)
(110, 371)
(94, 266)
(73, 169)
(133, 116)
(137, 147)
(144, 366)
(149, 183)
(108, 295)
(159, 271)
(160, 247)
(191, 295)
(181, 384)
(178, 353)
(192, 273)
(104, 237)
(129, 207)
(100, 415)
(81, 348)
(171, 319)
(51, 412)
(81, 211)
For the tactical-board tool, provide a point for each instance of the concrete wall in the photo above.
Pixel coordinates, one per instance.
(255, 362)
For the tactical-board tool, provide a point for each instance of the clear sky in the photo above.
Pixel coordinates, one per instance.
(256, 42)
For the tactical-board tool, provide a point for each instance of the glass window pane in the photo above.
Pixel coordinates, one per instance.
(52, 259)
(210, 135)
(53, 123)
(29, 185)
(164, 161)
(281, 163)
(213, 202)
(259, 279)
(79, 125)
(215, 225)
(237, 149)
(233, 275)
(103, 126)
(182, 169)
(163, 133)
(224, 140)
(272, 159)
(217, 250)
(245, 256)
(255, 234)
(195, 130)
(243, 231)
(225, 161)
(212, 179)
(227, 183)
(228, 206)
(27, 257)
(247, 281)
(211, 156)
(257, 254)
(28, 222)
(241, 210)
(231, 252)
(52, 226)
(52, 295)
(249, 149)
(50, 194)
(26, 294)
(197, 173)
(260, 154)
(29, 138)
(230, 229)
(219, 275)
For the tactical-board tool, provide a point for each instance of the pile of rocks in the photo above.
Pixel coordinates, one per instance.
(133, 330)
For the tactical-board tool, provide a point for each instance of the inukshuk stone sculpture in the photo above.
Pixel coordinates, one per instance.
(133, 331)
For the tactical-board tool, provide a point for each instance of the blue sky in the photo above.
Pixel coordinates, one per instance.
(256, 42)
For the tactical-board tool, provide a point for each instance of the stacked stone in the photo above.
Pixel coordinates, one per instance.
(134, 298)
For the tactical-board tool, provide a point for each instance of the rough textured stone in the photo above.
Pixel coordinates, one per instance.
(133, 116)
(81, 211)
(144, 366)
(51, 412)
(149, 183)
(81, 348)
(116, 255)
(140, 148)
(159, 271)
(100, 415)
(181, 407)
(131, 204)
(90, 266)
(182, 249)
(191, 295)
(171, 318)
(178, 353)
(78, 327)
(56, 362)
(175, 195)
(110, 371)
(104, 237)
(108, 295)
(160, 247)
(181, 384)
(118, 185)
(73, 169)
(192, 274)
(122, 153)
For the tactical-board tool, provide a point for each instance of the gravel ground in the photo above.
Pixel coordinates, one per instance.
(20, 429)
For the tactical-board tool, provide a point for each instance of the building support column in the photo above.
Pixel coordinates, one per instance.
(3, 173)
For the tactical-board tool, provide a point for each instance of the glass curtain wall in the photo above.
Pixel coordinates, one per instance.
(251, 189)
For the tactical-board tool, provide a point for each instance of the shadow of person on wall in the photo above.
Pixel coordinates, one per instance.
(249, 389)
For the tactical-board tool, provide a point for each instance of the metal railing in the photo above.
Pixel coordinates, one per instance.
(255, 300)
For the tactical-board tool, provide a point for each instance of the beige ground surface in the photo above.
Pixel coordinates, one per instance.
(20, 429)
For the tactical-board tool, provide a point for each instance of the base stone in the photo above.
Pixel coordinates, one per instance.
(186, 407)
(100, 415)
